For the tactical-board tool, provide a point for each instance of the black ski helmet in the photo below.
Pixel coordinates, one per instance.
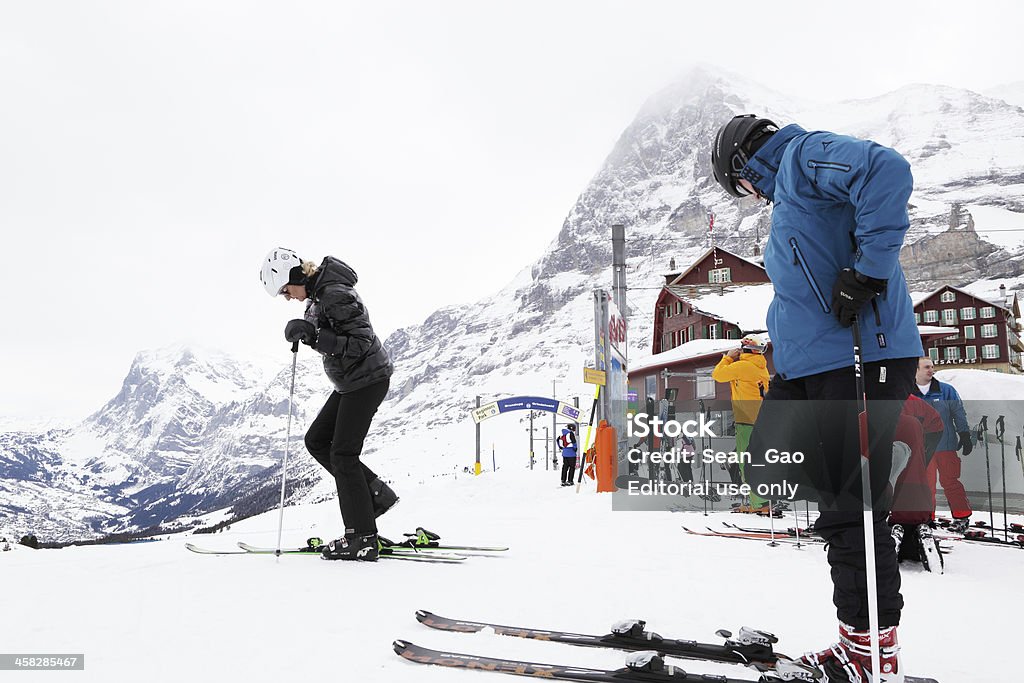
(735, 143)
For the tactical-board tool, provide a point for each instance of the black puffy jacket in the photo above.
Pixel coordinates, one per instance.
(358, 359)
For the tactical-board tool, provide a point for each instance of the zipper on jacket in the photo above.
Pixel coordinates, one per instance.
(830, 165)
(798, 260)
(827, 165)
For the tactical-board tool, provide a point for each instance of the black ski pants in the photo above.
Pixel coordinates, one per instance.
(568, 469)
(336, 438)
(819, 414)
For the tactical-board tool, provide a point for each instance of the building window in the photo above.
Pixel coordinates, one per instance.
(972, 352)
(666, 341)
(947, 296)
(949, 316)
(679, 307)
(989, 331)
(988, 312)
(968, 313)
(712, 331)
(705, 385)
(719, 275)
(990, 351)
(933, 353)
(968, 331)
(668, 311)
(952, 353)
(917, 318)
(732, 334)
(931, 316)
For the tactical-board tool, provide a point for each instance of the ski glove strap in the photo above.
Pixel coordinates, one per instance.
(851, 291)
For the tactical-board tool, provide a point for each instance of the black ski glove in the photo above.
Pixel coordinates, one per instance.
(966, 444)
(299, 330)
(851, 291)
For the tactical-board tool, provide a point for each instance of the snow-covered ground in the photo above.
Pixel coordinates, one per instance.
(156, 612)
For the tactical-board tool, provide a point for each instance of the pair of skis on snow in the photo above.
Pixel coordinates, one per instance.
(750, 647)
(423, 546)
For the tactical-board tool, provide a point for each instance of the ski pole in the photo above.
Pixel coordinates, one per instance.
(590, 425)
(869, 522)
(983, 428)
(1000, 430)
(1019, 458)
(287, 444)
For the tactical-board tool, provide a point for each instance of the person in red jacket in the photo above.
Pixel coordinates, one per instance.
(919, 429)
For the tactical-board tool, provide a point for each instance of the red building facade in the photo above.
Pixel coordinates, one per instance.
(988, 332)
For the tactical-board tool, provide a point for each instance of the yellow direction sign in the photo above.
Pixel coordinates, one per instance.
(592, 376)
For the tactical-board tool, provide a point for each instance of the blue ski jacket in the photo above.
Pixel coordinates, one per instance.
(570, 451)
(839, 202)
(946, 401)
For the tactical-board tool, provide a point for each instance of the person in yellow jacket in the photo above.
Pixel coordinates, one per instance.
(746, 371)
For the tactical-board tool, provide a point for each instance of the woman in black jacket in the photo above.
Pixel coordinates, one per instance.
(337, 325)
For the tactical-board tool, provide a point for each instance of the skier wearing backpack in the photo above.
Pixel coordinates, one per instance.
(567, 442)
(838, 221)
(337, 326)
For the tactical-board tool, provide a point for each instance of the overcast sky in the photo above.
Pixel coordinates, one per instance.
(152, 152)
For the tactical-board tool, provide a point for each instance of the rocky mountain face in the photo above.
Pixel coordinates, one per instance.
(191, 433)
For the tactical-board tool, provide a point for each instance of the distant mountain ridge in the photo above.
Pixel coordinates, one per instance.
(190, 433)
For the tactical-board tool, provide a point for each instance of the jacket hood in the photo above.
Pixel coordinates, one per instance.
(333, 272)
(764, 165)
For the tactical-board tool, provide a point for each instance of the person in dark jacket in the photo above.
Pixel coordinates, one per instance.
(956, 436)
(838, 222)
(336, 324)
(569, 453)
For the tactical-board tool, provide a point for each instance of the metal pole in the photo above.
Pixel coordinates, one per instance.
(287, 445)
(983, 428)
(554, 423)
(1000, 430)
(478, 438)
(547, 442)
(871, 568)
(619, 276)
(531, 439)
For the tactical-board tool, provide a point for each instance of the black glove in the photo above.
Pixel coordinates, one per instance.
(300, 331)
(851, 291)
(966, 443)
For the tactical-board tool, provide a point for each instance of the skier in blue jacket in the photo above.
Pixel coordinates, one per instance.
(569, 454)
(838, 221)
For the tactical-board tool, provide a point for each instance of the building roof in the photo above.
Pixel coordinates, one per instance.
(691, 350)
(918, 297)
(707, 253)
(744, 306)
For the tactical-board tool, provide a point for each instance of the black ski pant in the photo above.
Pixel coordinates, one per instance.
(568, 469)
(818, 414)
(335, 439)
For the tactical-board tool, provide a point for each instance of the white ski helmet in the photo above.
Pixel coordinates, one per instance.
(276, 270)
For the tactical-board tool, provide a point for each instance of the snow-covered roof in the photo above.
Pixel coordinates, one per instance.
(688, 351)
(745, 307)
(918, 297)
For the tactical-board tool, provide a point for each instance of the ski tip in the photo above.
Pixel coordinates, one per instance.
(401, 646)
(422, 615)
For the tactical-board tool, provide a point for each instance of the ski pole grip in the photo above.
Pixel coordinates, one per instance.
(1000, 428)
(295, 347)
(1018, 448)
(983, 425)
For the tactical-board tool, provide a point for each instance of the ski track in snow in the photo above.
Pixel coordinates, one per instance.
(156, 612)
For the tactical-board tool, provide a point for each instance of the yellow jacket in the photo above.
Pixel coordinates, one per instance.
(749, 379)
